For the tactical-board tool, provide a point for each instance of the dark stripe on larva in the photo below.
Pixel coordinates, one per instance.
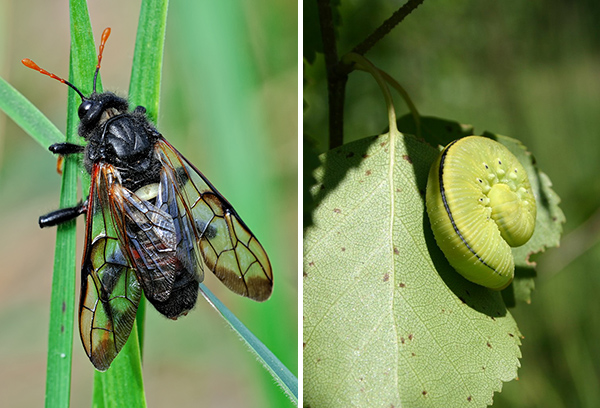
(443, 192)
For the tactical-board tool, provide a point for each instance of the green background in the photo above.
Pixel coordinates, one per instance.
(530, 70)
(229, 104)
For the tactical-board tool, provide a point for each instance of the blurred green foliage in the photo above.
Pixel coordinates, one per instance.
(529, 70)
(232, 62)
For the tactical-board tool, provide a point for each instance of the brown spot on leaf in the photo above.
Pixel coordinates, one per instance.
(489, 345)
(424, 393)
(402, 340)
(410, 337)
(368, 172)
(386, 277)
(469, 398)
(402, 285)
(396, 251)
(343, 249)
(311, 263)
(407, 158)
(337, 210)
(303, 344)
(366, 156)
(511, 335)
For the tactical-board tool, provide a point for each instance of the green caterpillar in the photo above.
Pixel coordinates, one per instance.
(480, 204)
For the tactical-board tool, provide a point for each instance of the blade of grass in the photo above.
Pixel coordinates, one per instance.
(281, 374)
(62, 301)
(146, 71)
(122, 384)
(28, 117)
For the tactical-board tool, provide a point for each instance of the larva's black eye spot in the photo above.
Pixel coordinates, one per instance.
(500, 162)
(480, 180)
(486, 166)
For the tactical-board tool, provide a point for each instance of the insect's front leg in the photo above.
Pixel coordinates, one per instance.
(62, 215)
(66, 148)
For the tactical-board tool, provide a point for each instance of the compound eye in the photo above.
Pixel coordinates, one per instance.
(84, 108)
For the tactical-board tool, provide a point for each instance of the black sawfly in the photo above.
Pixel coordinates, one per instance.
(152, 222)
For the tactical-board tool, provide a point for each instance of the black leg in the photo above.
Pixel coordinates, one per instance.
(62, 215)
(65, 148)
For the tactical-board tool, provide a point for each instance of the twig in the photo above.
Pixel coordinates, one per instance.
(387, 26)
(336, 80)
(337, 72)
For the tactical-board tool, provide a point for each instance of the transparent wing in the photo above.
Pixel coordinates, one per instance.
(226, 244)
(110, 292)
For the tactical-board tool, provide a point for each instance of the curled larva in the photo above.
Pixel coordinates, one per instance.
(480, 204)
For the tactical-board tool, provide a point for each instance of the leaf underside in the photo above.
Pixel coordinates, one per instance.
(387, 321)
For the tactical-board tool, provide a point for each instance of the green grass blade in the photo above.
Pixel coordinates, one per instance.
(27, 116)
(144, 86)
(281, 374)
(122, 385)
(62, 301)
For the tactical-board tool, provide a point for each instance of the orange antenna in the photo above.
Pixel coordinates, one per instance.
(105, 35)
(30, 64)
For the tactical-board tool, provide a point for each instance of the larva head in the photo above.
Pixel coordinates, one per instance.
(480, 204)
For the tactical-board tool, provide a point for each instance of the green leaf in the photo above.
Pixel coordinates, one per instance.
(122, 385)
(62, 301)
(284, 377)
(28, 117)
(146, 71)
(387, 321)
